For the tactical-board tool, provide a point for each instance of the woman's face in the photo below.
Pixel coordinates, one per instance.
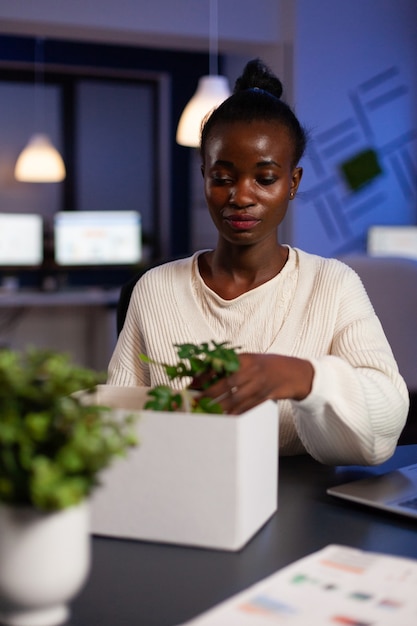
(249, 179)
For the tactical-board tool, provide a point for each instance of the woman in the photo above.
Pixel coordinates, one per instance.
(308, 334)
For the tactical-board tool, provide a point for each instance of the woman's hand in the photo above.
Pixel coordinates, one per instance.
(262, 377)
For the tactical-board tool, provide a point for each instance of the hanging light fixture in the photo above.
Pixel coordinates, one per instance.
(211, 90)
(39, 161)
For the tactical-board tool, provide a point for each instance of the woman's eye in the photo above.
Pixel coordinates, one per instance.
(267, 180)
(221, 180)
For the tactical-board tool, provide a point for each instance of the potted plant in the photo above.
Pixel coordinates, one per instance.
(205, 362)
(53, 445)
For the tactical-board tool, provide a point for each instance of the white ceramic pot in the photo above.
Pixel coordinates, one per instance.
(44, 562)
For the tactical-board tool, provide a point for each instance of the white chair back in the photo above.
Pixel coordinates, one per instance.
(391, 283)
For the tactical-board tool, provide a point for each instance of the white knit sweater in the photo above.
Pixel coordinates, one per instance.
(316, 309)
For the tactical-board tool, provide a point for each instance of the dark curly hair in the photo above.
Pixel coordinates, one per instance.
(257, 96)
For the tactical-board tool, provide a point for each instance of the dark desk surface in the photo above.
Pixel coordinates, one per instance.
(144, 584)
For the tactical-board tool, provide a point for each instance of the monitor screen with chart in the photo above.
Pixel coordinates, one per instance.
(96, 238)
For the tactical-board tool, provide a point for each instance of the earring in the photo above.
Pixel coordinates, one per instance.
(292, 195)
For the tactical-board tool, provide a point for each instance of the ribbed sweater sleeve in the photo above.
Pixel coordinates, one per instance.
(359, 401)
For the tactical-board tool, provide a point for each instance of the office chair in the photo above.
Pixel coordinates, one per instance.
(123, 302)
(391, 283)
(126, 292)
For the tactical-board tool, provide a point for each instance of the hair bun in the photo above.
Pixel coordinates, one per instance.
(257, 75)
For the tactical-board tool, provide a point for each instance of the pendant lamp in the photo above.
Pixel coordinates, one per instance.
(39, 161)
(212, 90)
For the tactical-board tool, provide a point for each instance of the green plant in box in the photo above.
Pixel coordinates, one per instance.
(53, 443)
(205, 362)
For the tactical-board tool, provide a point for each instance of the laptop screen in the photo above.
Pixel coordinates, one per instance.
(97, 238)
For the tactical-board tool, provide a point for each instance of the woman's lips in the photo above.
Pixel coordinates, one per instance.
(242, 222)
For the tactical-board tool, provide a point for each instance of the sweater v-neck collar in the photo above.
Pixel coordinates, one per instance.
(307, 267)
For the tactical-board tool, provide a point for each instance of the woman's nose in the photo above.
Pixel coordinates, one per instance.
(242, 194)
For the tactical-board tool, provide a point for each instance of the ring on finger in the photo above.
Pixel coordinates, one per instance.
(226, 394)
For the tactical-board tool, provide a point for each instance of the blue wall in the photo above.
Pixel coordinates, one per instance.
(355, 88)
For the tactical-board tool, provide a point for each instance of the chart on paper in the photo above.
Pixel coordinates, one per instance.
(337, 586)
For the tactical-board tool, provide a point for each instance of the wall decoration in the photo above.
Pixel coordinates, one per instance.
(364, 161)
(361, 169)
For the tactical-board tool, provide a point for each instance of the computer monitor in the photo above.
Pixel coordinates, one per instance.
(96, 238)
(400, 241)
(21, 240)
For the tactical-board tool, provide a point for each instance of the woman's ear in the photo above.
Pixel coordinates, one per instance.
(295, 180)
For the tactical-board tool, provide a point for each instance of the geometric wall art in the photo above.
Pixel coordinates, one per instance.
(365, 166)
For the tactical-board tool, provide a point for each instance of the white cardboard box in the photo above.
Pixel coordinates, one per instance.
(195, 479)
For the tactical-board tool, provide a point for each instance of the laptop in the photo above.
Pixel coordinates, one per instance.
(394, 491)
